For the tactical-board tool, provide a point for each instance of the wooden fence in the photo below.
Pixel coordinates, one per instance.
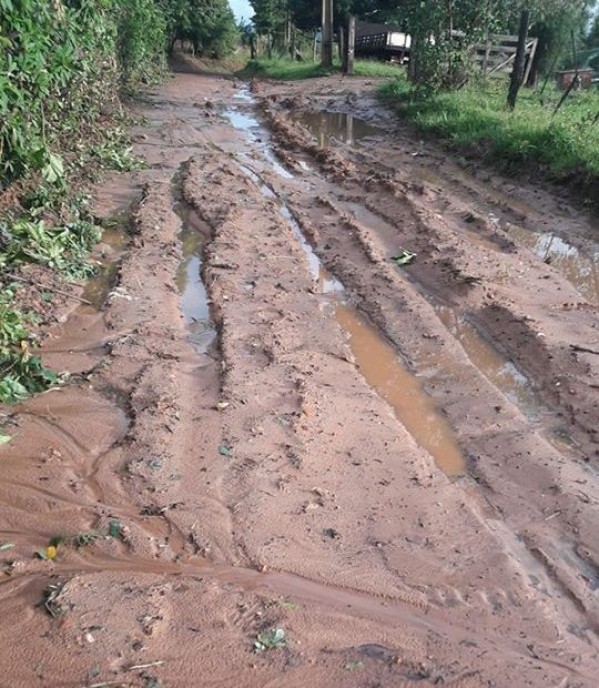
(498, 53)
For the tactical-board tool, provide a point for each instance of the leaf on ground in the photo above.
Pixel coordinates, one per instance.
(271, 640)
(404, 258)
(354, 666)
(6, 545)
(4, 439)
(115, 529)
(48, 553)
(54, 168)
(223, 450)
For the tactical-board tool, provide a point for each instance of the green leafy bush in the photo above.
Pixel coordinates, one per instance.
(21, 371)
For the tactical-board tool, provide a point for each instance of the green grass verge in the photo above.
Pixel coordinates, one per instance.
(286, 70)
(476, 120)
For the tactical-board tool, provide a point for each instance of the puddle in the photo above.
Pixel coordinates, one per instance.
(564, 443)
(328, 126)
(500, 371)
(382, 369)
(579, 268)
(194, 298)
(378, 361)
(253, 130)
(244, 95)
(325, 283)
(97, 287)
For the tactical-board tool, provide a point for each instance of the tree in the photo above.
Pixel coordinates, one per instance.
(444, 36)
(208, 24)
(519, 60)
(593, 34)
(271, 18)
(554, 28)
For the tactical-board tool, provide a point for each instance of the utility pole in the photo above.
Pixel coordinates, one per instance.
(327, 33)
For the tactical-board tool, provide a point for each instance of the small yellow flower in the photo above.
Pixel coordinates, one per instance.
(51, 552)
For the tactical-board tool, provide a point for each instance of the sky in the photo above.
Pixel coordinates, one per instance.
(241, 8)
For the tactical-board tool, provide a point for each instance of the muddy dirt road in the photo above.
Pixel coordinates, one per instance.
(274, 424)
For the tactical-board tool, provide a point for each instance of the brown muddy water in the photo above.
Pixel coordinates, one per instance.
(388, 376)
(495, 367)
(379, 364)
(338, 126)
(83, 334)
(493, 364)
(97, 288)
(377, 360)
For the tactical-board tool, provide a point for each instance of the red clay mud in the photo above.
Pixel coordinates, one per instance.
(396, 465)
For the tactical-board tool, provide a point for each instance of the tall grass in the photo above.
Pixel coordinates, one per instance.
(476, 119)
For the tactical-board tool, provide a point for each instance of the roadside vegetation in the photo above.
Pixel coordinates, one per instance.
(64, 67)
(531, 128)
(534, 137)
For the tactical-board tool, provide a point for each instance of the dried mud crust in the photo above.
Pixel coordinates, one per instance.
(264, 484)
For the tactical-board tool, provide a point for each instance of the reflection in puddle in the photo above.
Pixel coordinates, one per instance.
(194, 299)
(254, 132)
(578, 268)
(416, 410)
(326, 126)
(325, 282)
(97, 287)
(500, 371)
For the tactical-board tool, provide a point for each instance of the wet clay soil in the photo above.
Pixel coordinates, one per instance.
(283, 429)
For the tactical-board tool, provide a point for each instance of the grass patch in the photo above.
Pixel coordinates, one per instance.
(378, 69)
(477, 120)
(287, 70)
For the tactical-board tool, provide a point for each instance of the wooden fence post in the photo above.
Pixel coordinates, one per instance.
(518, 71)
(327, 33)
(351, 45)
